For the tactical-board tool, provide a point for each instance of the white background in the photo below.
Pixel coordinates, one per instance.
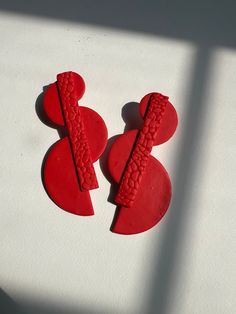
(50, 259)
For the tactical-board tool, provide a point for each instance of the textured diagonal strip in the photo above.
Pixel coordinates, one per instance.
(139, 157)
(77, 135)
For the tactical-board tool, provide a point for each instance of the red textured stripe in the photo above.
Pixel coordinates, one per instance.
(137, 163)
(69, 100)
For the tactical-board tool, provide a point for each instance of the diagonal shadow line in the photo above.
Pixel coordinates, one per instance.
(8, 306)
(170, 255)
(35, 306)
(195, 21)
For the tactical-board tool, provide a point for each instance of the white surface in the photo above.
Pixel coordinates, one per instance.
(51, 256)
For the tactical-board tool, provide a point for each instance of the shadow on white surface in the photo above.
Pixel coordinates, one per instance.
(9, 306)
(197, 21)
(169, 259)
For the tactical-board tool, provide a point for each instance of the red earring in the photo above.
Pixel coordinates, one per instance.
(144, 187)
(68, 172)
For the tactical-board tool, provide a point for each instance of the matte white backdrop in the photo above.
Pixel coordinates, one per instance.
(53, 258)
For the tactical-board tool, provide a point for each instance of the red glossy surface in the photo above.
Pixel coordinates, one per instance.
(154, 191)
(60, 175)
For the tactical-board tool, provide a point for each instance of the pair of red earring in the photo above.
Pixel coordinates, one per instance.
(144, 187)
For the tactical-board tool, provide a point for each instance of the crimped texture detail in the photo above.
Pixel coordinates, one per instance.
(81, 153)
(136, 165)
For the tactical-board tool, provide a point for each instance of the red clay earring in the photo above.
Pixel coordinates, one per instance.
(68, 172)
(144, 187)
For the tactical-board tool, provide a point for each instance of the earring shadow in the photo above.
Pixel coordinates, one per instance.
(131, 116)
(104, 167)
